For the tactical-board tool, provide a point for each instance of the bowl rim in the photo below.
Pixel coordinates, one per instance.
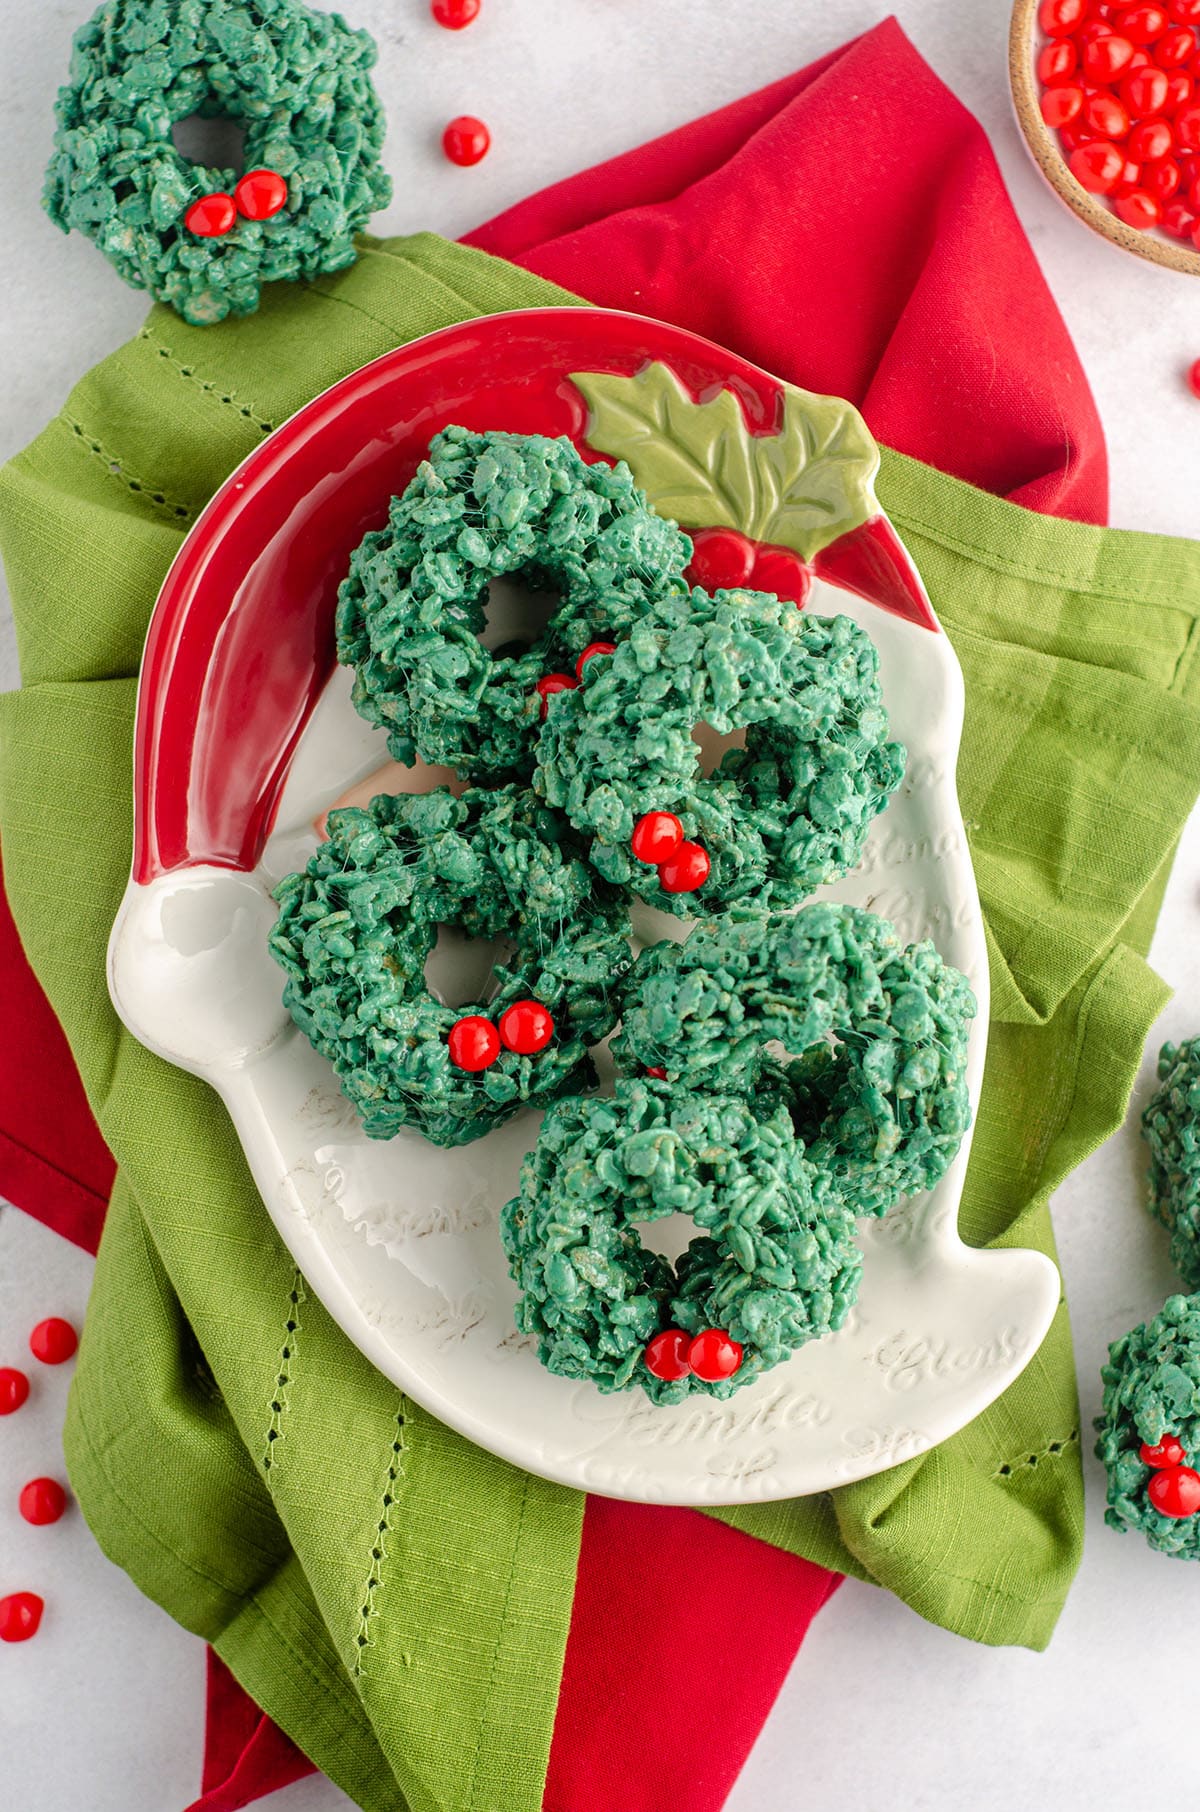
(1048, 154)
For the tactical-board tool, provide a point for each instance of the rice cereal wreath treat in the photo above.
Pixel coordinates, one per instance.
(775, 1264)
(410, 612)
(356, 927)
(881, 1110)
(1149, 1429)
(197, 238)
(776, 818)
(1171, 1125)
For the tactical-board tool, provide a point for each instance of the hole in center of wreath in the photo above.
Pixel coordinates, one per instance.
(460, 970)
(515, 615)
(670, 1237)
(217, 143)
(714, 745)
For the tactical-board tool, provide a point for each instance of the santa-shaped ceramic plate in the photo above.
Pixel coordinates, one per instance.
(246, 736)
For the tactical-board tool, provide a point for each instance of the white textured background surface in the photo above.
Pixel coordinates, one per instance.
(103, 1712)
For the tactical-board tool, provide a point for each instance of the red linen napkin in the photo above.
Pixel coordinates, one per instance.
(848, 229)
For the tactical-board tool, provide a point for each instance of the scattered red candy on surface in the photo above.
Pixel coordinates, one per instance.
(53, 1341)
(667, 1354)
(20, 1615)
(1194, 377)
(14, 1389)
(779, 570)
(526, 1027)
(455, 14)
(260, 193)
(686, 870)
(550, 685)
(1061, 103)
(1175, 1491)
(721, 559)
(656, 1070)
(713, 1355)
(591, 649)
(211, 216)
(467, 140)
(656, 837)
(1097, 166)
(474, 1043)
(42, 1501)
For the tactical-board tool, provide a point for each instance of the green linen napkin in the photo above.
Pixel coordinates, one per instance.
(395, 1598)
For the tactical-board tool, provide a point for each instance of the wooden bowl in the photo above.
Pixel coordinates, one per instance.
(1024, 42)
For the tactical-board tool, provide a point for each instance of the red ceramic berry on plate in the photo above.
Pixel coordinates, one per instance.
(526, 1027)
(1142, 24)
(455, 14)
(713, 1355)
(779, 570)
(1097, 167)
(1176, 48)
(591, 649)
(42, 1501)
(667, 1354)
(1175, 1491)
(14, 1389)
(1163, 178)
(1062, 103)
(1187, 128)
(550, 685)
(20, 1615)
(1105, 115)
(1150, 141)
(1139, 209)
(260, 194)
(212, 216)
(656, 1070)
(53, 1341)
(466, 140)
(1178, 220)
(656, 837)
(721, 559)
(474, 1043)
(1167, 1452)
(686, 870)
(1059, 60)
(1144, 91)
(1104, 58)
(1058, 17)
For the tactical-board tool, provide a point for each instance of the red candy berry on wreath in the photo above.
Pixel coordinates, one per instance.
(42, 1501)
(714, 1355)
(656, 1070)
(526, 1027)
(591, 649)
(1167, 1452)
(260, 194)
(14, 1389)
(550, 685)
(53, 1341)
(467, 140)
(1175, 1491)
(667, 1354)
(455, 14)
(779, 570)
(474, 1043)
(686, 870)
(656, 837)
(212, 216)
(20, 1615)
(1097, 167)
(722, 558)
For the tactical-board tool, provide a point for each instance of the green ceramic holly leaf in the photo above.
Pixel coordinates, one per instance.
(698, 462)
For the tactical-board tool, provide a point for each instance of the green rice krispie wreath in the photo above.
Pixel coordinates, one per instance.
(776, 818)
(295, 79)
(356, 927)
(1171, 1124)
(410, 612)
(878, 1089)
(1149, 1429)
(775, 1263)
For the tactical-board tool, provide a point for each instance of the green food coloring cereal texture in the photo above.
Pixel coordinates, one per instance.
(295, 79)
(355, 929)
(1171, 1124)
(775, 1263)
(778, 817)
(883, 1109)
(411, 610)
(1152, 1389)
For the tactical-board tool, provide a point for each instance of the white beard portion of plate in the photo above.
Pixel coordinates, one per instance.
(400, 1241)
